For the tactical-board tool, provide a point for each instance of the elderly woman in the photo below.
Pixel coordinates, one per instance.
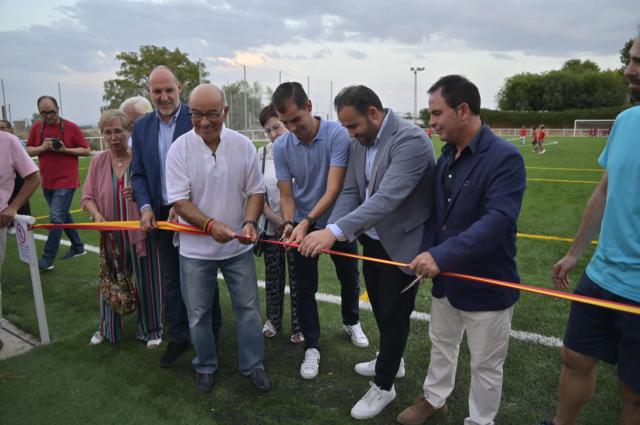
(107, 197)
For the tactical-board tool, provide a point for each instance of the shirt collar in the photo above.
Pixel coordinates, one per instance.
(376, 141)
(449, 148)
(173, 118)
(322, 130)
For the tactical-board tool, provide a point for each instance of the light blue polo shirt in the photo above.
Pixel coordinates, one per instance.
(615, 265)
(308, 165)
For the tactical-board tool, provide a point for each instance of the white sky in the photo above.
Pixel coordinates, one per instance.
(369, 42)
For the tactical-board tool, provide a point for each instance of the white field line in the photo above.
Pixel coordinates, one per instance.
(513, 139)
(528, 337)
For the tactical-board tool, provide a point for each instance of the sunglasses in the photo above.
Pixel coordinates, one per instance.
(45, 113)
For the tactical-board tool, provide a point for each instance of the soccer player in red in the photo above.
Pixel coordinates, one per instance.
(541, 135)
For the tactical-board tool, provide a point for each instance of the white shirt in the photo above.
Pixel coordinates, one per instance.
(271, 182)
(216, 184)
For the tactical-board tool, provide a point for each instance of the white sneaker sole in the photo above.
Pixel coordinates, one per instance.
(364, 371)
(372, 414)
(308, 375)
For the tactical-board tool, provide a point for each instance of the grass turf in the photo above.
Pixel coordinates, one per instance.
(69, 382)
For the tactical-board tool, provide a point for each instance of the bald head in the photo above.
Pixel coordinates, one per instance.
(208, 112)
(164, 90)
(163, 71)
(204, 91)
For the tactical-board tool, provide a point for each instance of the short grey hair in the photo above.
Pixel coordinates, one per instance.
(139, 103)
(111, 115)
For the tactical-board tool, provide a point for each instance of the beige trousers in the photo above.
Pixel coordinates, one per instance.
(488, 341)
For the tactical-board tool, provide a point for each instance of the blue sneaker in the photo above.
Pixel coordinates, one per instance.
(45, 263)
(73, 253)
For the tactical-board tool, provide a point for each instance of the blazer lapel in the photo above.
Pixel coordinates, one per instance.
(383, 150)
(153, 131)
(360, 163)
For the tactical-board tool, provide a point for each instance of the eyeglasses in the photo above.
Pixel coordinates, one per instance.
(274, 128)
(116, 132)
(211, 115)
(45, 113)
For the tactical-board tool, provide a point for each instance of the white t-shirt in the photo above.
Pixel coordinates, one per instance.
(271, 182)
(217, 185)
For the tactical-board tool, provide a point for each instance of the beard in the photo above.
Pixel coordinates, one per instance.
(634, 95)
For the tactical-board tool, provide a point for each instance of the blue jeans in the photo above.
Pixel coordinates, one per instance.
(59, 201)
(198, 279)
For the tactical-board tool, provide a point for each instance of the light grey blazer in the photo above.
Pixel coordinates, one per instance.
(401, 190)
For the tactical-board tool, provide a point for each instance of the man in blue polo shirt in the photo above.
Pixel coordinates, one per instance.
(595, 333)
(311, 162)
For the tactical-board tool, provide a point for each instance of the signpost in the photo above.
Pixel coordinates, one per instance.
(27, 251)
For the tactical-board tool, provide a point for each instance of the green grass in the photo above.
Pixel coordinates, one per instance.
(69, 382)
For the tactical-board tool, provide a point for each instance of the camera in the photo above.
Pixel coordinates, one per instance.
(56, 143)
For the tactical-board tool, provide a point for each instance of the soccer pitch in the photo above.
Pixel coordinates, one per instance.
(70, 382)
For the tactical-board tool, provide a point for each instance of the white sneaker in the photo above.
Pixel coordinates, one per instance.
(152, 344)
(311, 364)
(358, 338)
(96, 339)
(373, 402)
(369, 368)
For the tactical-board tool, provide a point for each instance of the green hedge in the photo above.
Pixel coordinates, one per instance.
(557, 119)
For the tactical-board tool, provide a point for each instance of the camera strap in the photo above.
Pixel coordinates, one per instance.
(61, 130)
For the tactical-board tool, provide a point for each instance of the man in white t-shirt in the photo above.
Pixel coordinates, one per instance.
(13, 161)
(214, 183)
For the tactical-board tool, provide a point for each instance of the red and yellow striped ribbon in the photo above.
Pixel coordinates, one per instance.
(179, 227)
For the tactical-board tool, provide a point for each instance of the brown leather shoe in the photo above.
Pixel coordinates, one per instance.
(419, 412)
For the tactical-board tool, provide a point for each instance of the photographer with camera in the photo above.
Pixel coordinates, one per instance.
(57, 143)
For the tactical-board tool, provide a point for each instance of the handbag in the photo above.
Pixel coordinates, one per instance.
(118, 289)
(259, 245)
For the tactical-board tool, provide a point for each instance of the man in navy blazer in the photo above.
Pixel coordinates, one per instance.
(151, 137)
(479, 186)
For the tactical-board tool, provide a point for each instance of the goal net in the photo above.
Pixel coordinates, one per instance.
(592, 128)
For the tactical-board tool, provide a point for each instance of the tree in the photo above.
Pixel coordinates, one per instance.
(578, 66)
(132, 78)
(577, 85)
(235, 94)
(624, 54)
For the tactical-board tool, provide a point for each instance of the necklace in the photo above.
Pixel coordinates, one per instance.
(119, 162)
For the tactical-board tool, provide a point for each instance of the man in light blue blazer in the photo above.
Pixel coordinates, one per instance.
(386, 203)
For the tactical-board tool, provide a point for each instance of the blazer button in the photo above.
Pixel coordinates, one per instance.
(444, 227)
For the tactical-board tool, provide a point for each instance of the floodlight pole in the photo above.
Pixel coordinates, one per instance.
(246, 125)
(415, 71)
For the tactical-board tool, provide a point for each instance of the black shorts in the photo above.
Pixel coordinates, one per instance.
(604, 334)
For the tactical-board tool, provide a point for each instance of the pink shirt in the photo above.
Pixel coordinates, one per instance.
(13, 159)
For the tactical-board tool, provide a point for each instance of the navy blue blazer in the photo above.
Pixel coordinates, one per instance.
(475, 234)
(146, 168)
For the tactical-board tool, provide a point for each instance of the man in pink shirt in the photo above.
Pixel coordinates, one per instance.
(14, 160)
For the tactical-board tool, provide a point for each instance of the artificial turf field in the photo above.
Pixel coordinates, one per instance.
(70, 382)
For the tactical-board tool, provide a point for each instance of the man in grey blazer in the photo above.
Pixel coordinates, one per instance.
(386, 202)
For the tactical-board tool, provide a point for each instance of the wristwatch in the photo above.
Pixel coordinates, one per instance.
(311, 221)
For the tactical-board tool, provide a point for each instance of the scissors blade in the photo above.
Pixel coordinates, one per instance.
(418, 279)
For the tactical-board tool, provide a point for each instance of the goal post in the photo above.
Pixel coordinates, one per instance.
(592, 127)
